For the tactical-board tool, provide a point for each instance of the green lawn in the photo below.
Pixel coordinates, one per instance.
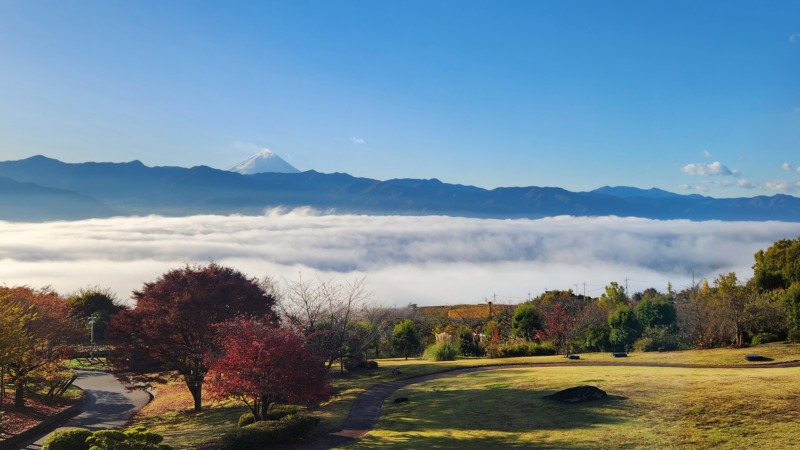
(170, 414)
(88, 364)
(646, 408)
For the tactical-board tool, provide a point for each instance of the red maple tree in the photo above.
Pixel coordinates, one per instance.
(171, 331)
(260, 364)
(563, 320)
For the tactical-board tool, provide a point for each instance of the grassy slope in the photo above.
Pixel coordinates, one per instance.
(647, 408)
(170, 413)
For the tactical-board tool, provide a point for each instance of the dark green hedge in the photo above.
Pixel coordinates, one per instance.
(261, 435)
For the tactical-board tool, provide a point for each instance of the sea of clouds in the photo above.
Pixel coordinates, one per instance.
(426, 260)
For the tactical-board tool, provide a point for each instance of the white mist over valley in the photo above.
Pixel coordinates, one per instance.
(428, 260)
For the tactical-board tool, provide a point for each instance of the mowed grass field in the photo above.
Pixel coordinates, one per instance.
(647, 408)
(663, 407)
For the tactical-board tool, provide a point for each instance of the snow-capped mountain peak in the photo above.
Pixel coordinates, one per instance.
(263, 161)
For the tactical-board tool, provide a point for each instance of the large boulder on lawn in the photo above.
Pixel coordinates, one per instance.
(578, 394)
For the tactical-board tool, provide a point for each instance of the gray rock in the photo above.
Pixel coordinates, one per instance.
(578, 394)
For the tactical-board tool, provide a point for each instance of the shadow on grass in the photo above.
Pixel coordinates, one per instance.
(190, 429)
(428, 443)
(499, 409)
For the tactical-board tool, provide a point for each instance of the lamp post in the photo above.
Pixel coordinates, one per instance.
(91, 320)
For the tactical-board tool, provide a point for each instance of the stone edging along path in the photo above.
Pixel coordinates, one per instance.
(44, 426)
(366, 409)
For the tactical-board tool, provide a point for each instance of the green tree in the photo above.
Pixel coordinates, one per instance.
(96, 305)
(732, 300)
(526, 321)
(405, 338)
(596, 337)
(613, 296)
(623, 326)
(779, 266)
(791, 305)
(467, 344)
(658, 311)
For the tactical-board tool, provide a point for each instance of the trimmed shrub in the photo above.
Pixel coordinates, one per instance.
(645, 344)
(278, 412)
(443, 351)
(764, 338)
(299, 426)
(83, 439)
(658, 338)
(264, 434)
(525, 349)
(353, 364)
(246, 419)
(141, 439)
(275, 412)
(512, 350)
(251, 437)
(794, 335)
(544, 349)
(106, 439)
(73, 439)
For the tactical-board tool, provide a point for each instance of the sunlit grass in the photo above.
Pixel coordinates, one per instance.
(88, 364)
(170, 413)
(647, 408)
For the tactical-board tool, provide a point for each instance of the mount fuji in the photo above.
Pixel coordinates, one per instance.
(263, 162)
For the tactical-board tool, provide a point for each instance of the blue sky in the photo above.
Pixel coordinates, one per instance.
(682, 95)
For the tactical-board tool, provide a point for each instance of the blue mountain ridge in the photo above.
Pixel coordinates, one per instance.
(135, 189)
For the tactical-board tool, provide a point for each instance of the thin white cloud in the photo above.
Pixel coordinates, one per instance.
(699, 188)
(357, 140)
(424, 260)
(707, 154)
(783, 186)
(745, 184)
(786, 166)
(794, 37)
(798, 169)
(711, 169)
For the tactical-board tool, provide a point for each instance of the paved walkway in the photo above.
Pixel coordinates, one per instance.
(108, 404)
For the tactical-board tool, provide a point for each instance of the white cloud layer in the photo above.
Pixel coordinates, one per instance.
(424, 260)
(714, 168)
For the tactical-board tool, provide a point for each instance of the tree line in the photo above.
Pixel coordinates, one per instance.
(716, 313)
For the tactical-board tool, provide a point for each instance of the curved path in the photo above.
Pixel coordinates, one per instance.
(366, 409)
(108, 404)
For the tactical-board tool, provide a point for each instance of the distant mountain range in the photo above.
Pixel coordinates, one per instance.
(44, 189)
